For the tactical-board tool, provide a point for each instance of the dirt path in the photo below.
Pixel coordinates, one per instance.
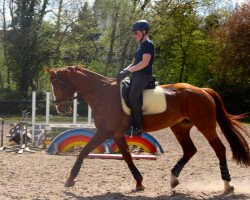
(41, 176)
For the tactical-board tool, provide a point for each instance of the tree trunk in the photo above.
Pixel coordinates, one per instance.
(112, 41)
(5, 43)
(123, 54)
(58, 31)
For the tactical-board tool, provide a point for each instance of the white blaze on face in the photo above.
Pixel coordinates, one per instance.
(54, 97)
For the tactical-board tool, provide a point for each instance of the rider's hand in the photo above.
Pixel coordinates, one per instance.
(122, 74)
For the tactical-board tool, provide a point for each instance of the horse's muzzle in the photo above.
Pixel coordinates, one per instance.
(64, 109)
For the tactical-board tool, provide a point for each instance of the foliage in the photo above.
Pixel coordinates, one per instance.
(81, 44)
(115, 20)
(231, 68)
(195, 41)
(29, 44)
(3, 71)
(182, 46)
(233, 38)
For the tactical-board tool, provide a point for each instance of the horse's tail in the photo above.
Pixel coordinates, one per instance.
(232, 130)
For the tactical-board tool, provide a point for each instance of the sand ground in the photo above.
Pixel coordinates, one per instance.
(41, 176)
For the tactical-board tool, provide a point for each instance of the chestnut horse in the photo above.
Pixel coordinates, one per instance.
(188, 106)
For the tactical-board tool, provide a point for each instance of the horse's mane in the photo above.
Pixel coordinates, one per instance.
(76, 69)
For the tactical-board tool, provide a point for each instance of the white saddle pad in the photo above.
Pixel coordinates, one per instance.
(154, 102)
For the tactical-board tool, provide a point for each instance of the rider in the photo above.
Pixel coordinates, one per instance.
(141, 69)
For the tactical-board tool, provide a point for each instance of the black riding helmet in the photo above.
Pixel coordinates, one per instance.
(141, 25)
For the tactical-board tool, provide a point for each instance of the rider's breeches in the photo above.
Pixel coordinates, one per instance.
(139, 81)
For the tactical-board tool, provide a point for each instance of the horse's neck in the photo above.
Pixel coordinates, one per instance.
(90, 86)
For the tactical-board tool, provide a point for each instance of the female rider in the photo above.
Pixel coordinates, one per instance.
(141, 69)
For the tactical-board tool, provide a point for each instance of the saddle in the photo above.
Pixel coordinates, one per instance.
(153, 99)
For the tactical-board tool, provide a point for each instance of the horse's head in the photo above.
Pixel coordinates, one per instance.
(62, 89)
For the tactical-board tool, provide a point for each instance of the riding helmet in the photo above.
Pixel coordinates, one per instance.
(141, 25)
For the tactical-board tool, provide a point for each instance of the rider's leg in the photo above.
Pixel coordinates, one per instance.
(139, 81)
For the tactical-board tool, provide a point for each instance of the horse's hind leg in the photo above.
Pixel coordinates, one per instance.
(211, 135)
(123, 147)
(182, 134)
(220, 151)
(95, 141)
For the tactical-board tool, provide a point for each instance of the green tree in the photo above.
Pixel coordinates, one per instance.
(115, 19)
(83, 38)
(5, 80)
(181, 45)
(29, 43)
(65, 19)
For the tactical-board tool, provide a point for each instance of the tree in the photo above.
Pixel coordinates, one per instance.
(181, 44)
(115, 19)
(29, 42)
(83, 37)
(4, 45)
(232, 67)
(65, 18)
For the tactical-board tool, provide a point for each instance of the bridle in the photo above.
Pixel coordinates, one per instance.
(67, 90)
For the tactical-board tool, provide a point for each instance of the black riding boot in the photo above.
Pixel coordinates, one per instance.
(136, 124)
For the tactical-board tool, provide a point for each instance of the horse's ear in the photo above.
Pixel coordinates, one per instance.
(79, 68)
(47, 70)
(71, 69)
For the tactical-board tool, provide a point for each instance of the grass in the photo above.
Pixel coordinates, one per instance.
(41, 119)
(245, 121)
(64, 119)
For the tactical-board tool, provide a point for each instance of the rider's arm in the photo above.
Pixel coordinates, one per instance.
(130, 65)
(144, 63)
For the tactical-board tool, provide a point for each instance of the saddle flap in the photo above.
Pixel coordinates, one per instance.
(154, 101)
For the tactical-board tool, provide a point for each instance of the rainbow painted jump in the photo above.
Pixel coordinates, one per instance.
(80, 137)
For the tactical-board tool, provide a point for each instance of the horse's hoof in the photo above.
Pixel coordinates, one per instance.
(229, 190)
(69, 183)
(139, 188)
(174, 183)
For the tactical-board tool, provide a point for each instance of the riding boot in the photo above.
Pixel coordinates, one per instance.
(131, 126)
(136, 120)
(135, 131)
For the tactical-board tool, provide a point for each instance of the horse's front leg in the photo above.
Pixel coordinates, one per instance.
(95, 141)
(123, 147)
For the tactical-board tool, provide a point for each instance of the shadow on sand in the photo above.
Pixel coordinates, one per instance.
(173, 196)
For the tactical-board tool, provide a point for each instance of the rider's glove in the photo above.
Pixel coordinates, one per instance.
(122, 74)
